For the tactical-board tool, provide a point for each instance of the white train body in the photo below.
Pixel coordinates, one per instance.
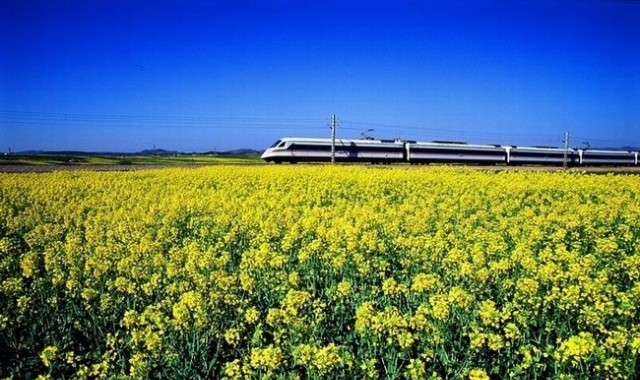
(294, 150)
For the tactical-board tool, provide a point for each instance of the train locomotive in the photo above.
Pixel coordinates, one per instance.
(294, 150)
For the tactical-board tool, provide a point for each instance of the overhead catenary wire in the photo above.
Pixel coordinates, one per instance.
(505, 138)
(427, 129)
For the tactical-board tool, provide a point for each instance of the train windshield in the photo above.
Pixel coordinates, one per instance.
(275, 144)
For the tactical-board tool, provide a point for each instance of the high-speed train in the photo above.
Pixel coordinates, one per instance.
(294, 150)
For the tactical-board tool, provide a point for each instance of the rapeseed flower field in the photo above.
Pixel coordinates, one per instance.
(319, 272)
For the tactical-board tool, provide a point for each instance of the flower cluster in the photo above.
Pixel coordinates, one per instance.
(319, 272)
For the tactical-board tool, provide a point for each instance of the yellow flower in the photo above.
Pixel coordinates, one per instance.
(138, 367)
(295, 300)
(49, 355)
(368, 369)
(294, 278)
(326, 358)
(439, 307)
(488, 313)
(88, 294)
(477, 339)
(152, 340)
(459, 297)
(233, 370)
(364, 314)
(304, 354)
(527, 287)
(251, 315)
(415, 370)
(495, 342)
(29, 264)
(577, 347)
(188, 310)
(478, 374)
(232, 336)
(268, 358)
(344, 288)
(405, 339)
(390, 287)
(423, 282)
(635, 345)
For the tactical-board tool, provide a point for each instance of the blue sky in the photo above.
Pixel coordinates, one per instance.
(216, 75)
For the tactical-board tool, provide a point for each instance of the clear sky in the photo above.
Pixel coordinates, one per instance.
(215, 75)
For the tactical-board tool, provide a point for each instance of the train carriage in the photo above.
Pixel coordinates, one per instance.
(537, 155)
(318, 150)
(455, 152)
(607, 157)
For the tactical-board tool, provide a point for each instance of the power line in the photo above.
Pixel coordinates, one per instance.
(44, 119)
(166, 125)
(70, 116)
(19, 119)
(53, 120)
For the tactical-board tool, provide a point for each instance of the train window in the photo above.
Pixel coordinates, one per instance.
(282, 144)
(275, 144)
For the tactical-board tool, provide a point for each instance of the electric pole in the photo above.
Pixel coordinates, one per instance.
(566, 149)
(334, 125)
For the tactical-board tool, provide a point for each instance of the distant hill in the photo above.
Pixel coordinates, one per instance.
(240, 152)
(157, 152)
(57, 153)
